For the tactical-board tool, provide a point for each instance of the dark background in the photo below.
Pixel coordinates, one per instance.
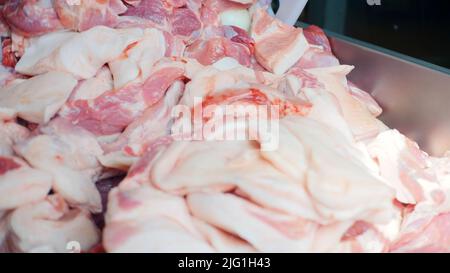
(418, 28)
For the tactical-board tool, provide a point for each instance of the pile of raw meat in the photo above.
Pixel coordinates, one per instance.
(86, 99)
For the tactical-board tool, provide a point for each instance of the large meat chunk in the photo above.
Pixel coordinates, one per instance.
(266, 231)
(111, 112)
(143, 219)
(20, 184)
(83, 14)
(404, 166)
(143, 132)
(287, 179)
(277, 46)
(177, 17)
(361, 121)
(74, 169)
(38, 99)
(137, 61)
(80, 54)
(225, 12)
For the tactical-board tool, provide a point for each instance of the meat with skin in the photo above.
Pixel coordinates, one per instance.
(326, 109)
(39, 98)
(298, 182)
(362, 123)
(172, 16)
(114, 110)
(49, 226)
(31, 17)
(140, 134)
(404, 165)
(265, 231)
(144, 219)
(20, 184)
(222, 241)
(277, 46)
(210, 80)
(315, 57)
(319, 53)
(199, 126)
(74, 170)
(366, 99)
(82, 15)
(137, 61)
(80, 54)
(215, 12)
(316, 36)
(212, 50)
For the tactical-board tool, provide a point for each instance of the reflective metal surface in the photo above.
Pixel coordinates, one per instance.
(415, 95)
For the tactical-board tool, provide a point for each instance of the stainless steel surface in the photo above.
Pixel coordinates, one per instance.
(415, 95)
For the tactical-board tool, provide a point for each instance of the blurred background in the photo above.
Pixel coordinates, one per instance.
(418, 28)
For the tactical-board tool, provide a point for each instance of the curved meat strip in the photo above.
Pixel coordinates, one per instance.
(354, 175)
(142, 219)
(403, 166)
(74, 170)
(20, 184)
(266, 231)
(362, 123)
(39, 98)
(215, 13)
(113, 111)
(80, 54)
(278, 47)
(316, 36)
(222, 241)
(49, 226)
(136, 63)
(140, 134)
(210, 81)
(289, 179)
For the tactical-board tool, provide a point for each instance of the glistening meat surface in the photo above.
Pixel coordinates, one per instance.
(114, 132)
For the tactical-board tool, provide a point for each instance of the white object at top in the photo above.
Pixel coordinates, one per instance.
(290, 10)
